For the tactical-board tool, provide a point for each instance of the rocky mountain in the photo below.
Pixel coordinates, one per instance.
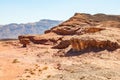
(13, 30)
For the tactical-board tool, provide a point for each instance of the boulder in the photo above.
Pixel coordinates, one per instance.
(30, 37)
(24, 41)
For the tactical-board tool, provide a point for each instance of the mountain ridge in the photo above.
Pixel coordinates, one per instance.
(13, 30)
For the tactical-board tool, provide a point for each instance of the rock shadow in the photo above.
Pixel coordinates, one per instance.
(71, 52)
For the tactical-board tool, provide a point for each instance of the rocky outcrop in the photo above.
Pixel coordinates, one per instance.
(24, 41)
(114, 24)
(90, 44)
(81, 20)
(104, 17)
(62, 44)
(96, 31)
(35, 39)
(30, 37)
(89, 30)
(76, 30)
(42, 39)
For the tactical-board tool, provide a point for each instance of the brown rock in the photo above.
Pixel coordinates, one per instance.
(115, 24)
(78, 25)
(89, 30)
(47, 31)
(80, 21)
(88, 43)
(42, 39)
(62, 44)
(24, 41)
(25, 36)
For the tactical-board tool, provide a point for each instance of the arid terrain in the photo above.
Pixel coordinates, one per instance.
(85, 47)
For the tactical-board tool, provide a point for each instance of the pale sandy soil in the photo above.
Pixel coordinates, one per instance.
(40, 62)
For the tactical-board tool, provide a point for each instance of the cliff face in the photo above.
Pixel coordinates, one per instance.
(97, 31)
(107, 39)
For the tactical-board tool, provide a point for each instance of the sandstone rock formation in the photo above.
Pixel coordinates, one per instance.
(106, 39)
(110, 24)
(24, 41)
(80, 20)
(62, 44)
(94, 28)
(88, 44)
(42, 39)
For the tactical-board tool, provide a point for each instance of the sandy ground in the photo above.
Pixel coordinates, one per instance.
(40, 62)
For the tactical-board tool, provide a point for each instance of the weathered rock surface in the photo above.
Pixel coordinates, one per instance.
(62, 44)
(89, 43)
(98, 26)
(80, 20)
(107, 39)
(110, 24)
(24, 41)
(42, 39)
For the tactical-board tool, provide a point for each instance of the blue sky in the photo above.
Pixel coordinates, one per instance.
(23, 11)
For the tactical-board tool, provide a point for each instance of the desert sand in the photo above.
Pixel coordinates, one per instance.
(41, 62)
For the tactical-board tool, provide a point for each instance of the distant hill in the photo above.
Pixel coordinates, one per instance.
(13, 30)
